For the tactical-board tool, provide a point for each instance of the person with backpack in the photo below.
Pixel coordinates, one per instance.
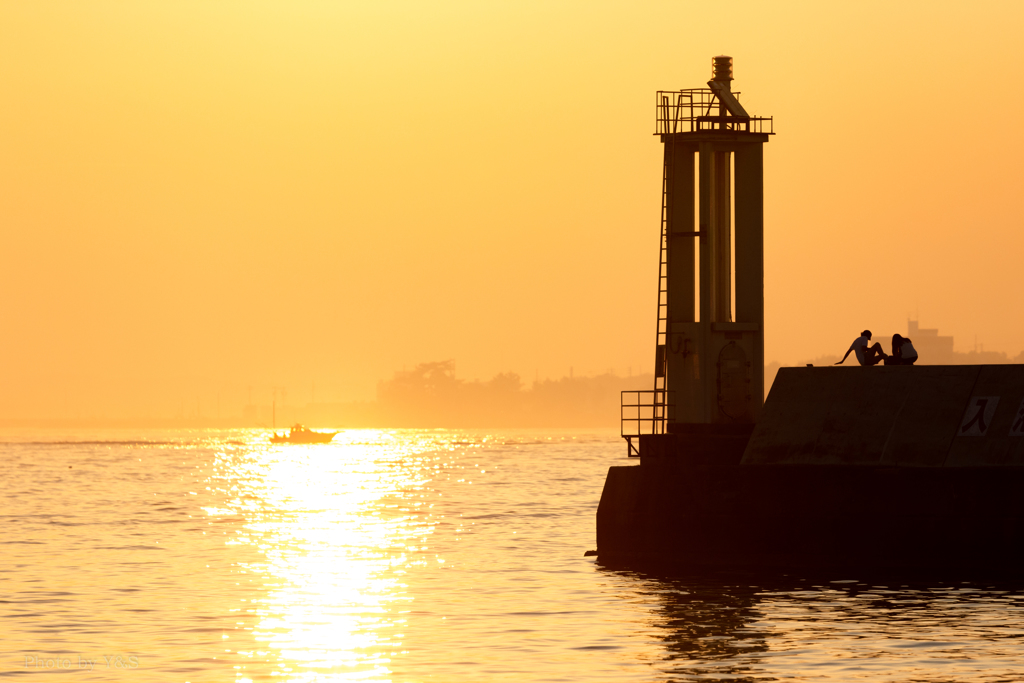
(903, 351)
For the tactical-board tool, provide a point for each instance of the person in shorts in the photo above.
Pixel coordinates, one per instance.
(866, 355)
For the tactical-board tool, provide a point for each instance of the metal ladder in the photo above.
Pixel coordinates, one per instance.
(661, 350)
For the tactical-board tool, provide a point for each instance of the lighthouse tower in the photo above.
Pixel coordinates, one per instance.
(710, 343)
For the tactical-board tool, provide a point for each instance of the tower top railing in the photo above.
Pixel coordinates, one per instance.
(698, 110)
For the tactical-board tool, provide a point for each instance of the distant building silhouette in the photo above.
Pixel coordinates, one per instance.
(932, 348)
(935, 349)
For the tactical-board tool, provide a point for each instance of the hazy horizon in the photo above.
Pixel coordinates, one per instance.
(430, 395)
(202, 198)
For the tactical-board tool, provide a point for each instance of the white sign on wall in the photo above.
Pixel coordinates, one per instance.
(978, 416)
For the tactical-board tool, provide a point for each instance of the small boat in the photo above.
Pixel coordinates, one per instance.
(300, 434)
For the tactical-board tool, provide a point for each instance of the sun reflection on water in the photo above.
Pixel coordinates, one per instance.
(339, 525)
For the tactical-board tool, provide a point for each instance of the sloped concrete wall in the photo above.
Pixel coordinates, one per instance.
(929, 416)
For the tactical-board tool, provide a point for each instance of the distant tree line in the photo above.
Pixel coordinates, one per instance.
(431, 395)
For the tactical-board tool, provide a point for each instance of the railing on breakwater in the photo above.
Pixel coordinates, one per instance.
(643, 412)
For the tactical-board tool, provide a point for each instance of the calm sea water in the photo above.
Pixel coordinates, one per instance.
(416, 556)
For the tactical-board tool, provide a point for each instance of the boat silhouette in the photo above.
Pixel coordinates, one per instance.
(301, 434)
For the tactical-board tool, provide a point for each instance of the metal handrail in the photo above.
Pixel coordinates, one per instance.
(651, 412)
(682, 111)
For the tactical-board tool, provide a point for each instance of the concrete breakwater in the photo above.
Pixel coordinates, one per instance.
(891, 467)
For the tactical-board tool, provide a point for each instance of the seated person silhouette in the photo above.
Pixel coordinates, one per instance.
(903, 351)
(865, 355)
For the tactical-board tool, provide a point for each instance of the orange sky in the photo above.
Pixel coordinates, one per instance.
(200, 197)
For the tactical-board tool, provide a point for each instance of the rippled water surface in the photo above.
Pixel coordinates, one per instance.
(413, 556)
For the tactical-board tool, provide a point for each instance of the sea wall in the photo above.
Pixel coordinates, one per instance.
(807, 517)
(930, 416)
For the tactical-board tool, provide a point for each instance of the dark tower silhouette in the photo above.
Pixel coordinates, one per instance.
(711, 364)
(710, 348)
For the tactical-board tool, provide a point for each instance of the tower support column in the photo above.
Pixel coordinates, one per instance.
(705, 202)
(681, 354)
(721, 237)
(680, 206)
(750, 255)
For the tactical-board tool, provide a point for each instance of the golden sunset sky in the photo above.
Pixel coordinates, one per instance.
(201, 197)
